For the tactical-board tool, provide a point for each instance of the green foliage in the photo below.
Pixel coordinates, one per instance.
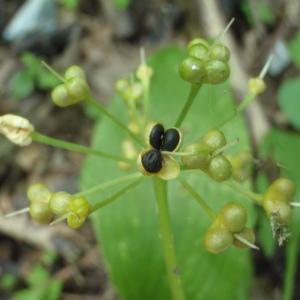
(32, 76)
(127, 229)
(122, 4)
(284, 148)
(70, 4)
(288, 99)
(294, 48)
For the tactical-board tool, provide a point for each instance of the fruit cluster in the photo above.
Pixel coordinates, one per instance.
(228, 227)
(74, 88)
(205, 63)
(45, 206)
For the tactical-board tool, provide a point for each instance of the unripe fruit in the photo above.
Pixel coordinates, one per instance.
(218, 239)
(74, 71)
(197, 41)
(219, 52)
(40, 212)
(279, 210)
(38, 192)
(198, 161)
(219, 168)
(78, 88)
(216, 72)
(79, 206)
(59, 203)
(192, 70)
(247, 234)
(256, 85)
(171, 140)
(285, 187)
(133, 92)
(75, 221)
(121, 85)
(199, 51)
(241, 165)
(61, 97)
(234, 217)
(215, 139)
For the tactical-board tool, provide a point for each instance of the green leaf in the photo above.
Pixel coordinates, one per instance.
(294, 48)
(127, 229)
(284, 148)
(21, 85)
(288, 99)
(266, 13)
(122, 4)
(70, 4)
(46, 80)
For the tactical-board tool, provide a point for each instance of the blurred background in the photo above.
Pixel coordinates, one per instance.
(104, 37)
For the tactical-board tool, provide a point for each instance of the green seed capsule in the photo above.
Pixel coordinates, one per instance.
(199, 51)
(234, 217)
(216, 72)
(74, 71)
(79, 206)
(40, 212)
(214, 139)
(38, 192)
(75, 221)
(284, 187)
(219, 168)
(199, 161)
(279, 210)
(59, 203)
(219, 52)
(247, 234)
(197, 41)
(192, 70)
(241, 165)
(218, 239)
(77, 88)
(61, 97)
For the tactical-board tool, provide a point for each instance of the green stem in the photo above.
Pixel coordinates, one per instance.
(210, 213)
(117, 195)
(103, 186)
(192, 95)
(44, 139)
(102, 109)
(166, 236)
(291, 267)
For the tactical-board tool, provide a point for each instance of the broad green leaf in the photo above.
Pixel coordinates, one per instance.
(288, 99)
(21, 85)
(284, 148)
(127, 229)
(122, 4)
(294, 49)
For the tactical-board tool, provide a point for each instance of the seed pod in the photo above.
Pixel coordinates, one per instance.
(74, 221)
(156, 136)
(219, 52)
(150, 162)
(59, 203)
(247, 234)
(121, 85)
(133, 92)
(284, 188)
(40, 212)
(197, 41)
(201, 158)
(216, 72)
(171, 140)
(79, 206)
(219, 168)
(77, 88)
(170, 168)
(61, 97)
(278, 210)
(199, 51)
(38, 192)
(215, 139)
(217, 239)
(234, 217)
(192, 70)
(74, 71)
(241, 165)
(256, 85)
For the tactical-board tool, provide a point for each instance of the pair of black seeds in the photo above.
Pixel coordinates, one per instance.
(160, 140)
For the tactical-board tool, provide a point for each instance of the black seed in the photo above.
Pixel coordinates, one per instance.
(156, 136)
(152, 161)
(171, 139)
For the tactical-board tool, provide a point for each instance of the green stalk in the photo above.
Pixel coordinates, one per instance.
(210, 213)
(103, 186)
(44, 139)
(166, 237)
(192, 95)
(103, 110)
(117, 195)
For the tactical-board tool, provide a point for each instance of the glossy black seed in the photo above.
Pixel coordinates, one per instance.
(156, 136)
(170, 140)
(152, 161)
